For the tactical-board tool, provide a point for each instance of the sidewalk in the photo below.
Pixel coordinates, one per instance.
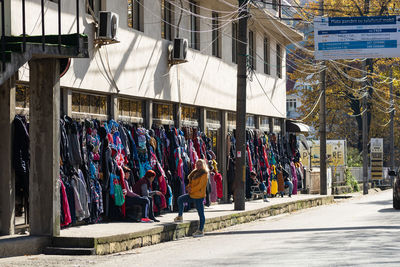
(106, 238)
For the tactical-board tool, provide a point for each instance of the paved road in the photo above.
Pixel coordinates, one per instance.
(361, 232)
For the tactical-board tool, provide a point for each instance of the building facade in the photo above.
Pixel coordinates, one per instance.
(133, 79)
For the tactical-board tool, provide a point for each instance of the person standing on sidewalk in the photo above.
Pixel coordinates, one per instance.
(196, 193)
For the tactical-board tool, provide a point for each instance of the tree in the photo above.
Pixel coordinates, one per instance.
(346, 84)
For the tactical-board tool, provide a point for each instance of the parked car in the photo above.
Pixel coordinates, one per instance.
(396, 189)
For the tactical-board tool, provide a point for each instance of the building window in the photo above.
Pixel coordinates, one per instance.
(275, 4)
(277, 125)
(266, 56)
(190, 115)
(232, 119)
(216, 36)
(213, 135)
(135, 14)
(234, 41)
(163, 112)
(252, 50)
(92, 104)
(194, 26)
(213, 117)
(278, 61)
(250, 121)
(21, 96)
(291, 104)
(93, 7)
(264, 124)
(130, 108)
(167, 20)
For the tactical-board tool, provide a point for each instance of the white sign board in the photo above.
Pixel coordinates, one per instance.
(356, 37)
(376, 145)
(376, 158)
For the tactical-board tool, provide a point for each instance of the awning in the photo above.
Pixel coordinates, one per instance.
(296, 127)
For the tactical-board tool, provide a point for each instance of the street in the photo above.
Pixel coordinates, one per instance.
(361, 231)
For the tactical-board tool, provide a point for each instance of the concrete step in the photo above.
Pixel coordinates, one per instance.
(68, 251)
(73, 242)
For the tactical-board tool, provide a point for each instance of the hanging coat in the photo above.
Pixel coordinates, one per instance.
(218, 181)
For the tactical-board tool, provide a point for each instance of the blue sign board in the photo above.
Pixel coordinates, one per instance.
(356, 37)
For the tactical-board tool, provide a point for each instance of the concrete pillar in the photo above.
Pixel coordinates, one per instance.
(257, 121)
(178, 115)
(67, 102)
(283, 126)
(271, 125)
(224, 154)
(7, 177)
(148, 115)
(202, 119)
(114, 110)
(44, 195)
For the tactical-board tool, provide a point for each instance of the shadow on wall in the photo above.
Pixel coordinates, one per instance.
(82, 64)
(162, 75)
(122, 65)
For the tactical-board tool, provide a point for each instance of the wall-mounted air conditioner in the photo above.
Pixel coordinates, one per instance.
(108, 25)
(179, 50)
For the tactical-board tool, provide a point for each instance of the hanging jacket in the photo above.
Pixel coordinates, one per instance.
(73, 139)
(218, 181)
(213, 193)
(64, 205)
(21, 155)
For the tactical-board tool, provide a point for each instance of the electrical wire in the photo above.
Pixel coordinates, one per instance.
(360, 114)
(272, 103)
(181, 28)
(312, 110)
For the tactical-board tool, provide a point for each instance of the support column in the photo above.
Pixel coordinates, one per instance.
(7, 177)
(67, 102)
(224, 154)
(114, 111)
(203, 117)
(271, 125)
(178, 115)
(44, 195)
(283, 127)
(257, 119)
(148, 116)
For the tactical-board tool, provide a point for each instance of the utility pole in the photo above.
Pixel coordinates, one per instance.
(365, 136)
(322, 122)
(240, 163)
(365, 120)
(391, 123)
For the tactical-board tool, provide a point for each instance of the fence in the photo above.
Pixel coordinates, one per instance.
(339, 176)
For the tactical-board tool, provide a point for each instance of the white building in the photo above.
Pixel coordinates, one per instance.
(137, 67)
(133, 80)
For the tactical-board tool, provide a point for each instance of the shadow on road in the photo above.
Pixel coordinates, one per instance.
(388, 210)
(381, 202)
(377, 227)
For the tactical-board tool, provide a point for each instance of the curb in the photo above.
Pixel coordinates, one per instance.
(174, 231)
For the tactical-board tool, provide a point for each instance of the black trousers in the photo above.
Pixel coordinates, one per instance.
(144, 202)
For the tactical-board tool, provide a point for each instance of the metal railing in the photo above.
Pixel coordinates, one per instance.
(43, 36)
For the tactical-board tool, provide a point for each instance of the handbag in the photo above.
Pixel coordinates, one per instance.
(119, 199)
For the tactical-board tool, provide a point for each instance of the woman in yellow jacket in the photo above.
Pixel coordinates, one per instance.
(196, 193)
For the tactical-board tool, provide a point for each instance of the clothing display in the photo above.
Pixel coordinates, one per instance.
(269, 156)
(94, 156)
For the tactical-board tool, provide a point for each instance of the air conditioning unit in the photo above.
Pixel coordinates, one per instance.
(108, 25)
(180, 50)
